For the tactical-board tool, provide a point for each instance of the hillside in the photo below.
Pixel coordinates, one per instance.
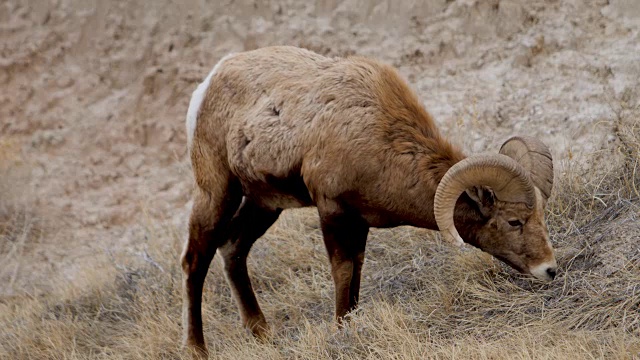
(95, 183)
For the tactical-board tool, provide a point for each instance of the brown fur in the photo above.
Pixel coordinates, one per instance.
(283, 127)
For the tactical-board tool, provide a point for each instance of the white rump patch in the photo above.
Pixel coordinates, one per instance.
(196, 101)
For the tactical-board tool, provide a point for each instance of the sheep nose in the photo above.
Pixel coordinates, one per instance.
(545, 271)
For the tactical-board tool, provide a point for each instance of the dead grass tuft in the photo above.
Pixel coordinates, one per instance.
(420, 298)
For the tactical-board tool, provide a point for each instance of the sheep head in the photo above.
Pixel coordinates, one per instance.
(510, 191)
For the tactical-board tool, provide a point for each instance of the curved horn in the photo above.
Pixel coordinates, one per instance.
(534, 156)
(508, 180)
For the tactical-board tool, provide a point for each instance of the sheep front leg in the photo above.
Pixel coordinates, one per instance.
(345, 236)
(354, 288)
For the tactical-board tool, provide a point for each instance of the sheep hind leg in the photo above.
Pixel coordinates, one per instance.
(250, 222)
(208, 229)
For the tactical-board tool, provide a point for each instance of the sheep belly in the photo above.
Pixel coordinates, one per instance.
(279, 193)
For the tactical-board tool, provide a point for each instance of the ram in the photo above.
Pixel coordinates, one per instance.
(282, 127)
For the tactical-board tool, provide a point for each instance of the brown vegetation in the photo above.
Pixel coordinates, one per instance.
(424, 299)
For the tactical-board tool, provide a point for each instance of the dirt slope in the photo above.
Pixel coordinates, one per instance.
(94, 94)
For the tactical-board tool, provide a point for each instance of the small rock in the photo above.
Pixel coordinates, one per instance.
(64, 82)
(134, 162)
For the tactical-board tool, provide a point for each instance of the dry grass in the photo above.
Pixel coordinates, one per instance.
(20, 229)
(420, 298)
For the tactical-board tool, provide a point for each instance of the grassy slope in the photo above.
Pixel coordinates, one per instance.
(420, 298)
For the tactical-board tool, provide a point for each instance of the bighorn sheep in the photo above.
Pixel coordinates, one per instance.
(282, 127)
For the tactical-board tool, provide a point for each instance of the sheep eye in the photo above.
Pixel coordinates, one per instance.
(515, 223)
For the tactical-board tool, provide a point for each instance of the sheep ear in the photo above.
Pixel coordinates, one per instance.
(484, 198)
